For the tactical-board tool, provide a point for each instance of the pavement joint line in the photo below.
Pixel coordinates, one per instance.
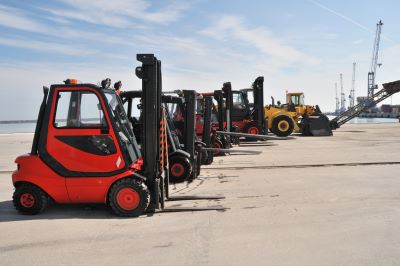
(302, 166)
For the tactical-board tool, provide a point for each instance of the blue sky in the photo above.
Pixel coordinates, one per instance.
(298, 45)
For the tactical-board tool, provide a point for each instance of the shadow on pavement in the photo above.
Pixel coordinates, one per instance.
(90, 211)
(257, 144)
(57, 211)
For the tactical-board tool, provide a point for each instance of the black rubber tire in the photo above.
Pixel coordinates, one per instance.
(277, 131)
(198, 166)
(204, 156)
(136, 185)
(218, 144)
(247, 127)
(181, 176)
(210, 158)
(41, 199)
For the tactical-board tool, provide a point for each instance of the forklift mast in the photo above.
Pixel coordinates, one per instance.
(227, 94)
(206, 138)
(190, 120)
(150, 74)
(218, 95)
(258, 111)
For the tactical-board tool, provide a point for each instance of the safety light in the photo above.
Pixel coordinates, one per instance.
(71, 81)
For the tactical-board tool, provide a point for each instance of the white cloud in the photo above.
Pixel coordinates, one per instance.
(15, 18)
(49, 47)
(23, 20)
(119, 13)
(233, 29)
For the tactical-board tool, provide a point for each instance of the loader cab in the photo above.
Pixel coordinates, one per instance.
(295, 98)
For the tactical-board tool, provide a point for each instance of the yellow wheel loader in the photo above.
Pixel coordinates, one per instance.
(295, 116)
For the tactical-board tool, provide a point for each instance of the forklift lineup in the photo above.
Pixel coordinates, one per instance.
(128, 162)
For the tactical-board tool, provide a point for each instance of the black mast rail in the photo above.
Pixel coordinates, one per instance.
(388, 90)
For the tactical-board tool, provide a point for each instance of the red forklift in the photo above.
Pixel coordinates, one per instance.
(245, 117)
(84, 149)
(235, 119)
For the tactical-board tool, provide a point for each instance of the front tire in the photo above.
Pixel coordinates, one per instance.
(180, 169)
(282, 126)
(30, 199)
(218, 145)
(129, 197)
(251, 128)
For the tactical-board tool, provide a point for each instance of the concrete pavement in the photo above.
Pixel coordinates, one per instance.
(308, 201)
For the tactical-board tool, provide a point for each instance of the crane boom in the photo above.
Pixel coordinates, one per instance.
(374, 61)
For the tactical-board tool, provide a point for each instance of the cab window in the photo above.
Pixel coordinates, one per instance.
(295, 99)
(238, 101)
(78, 109)
(301, 101)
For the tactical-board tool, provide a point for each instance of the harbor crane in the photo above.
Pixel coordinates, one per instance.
(337, 109)
(374, 62)
(342, 95)
(353, 83)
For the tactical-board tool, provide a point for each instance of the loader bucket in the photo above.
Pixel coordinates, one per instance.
(316, 125)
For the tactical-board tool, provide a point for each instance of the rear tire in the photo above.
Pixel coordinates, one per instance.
(180, 169)
(30, 199)
(282, 126)
(129, 197)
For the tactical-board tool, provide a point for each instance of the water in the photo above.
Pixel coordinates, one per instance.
(369, 120)
(17, 128)
(30, 127)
